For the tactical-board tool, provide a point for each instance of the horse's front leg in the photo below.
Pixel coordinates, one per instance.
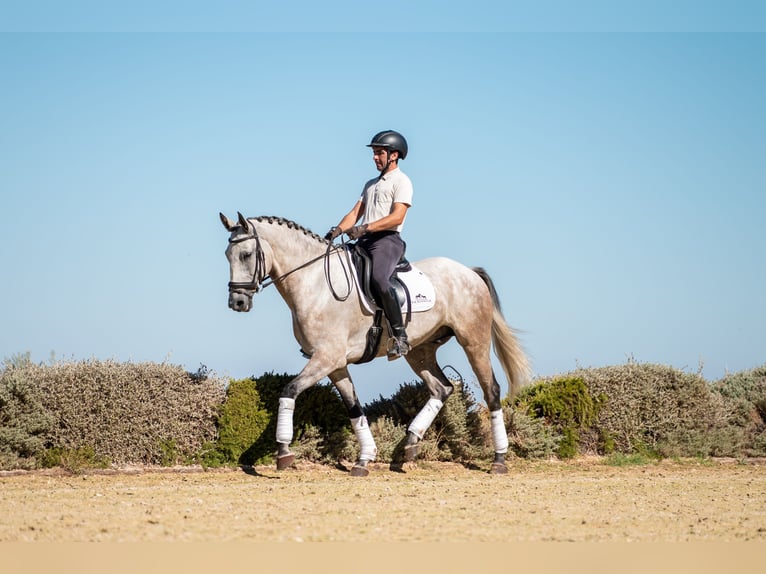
(367, 449)
(314, 371)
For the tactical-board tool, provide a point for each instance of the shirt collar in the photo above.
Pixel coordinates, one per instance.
(388, 173)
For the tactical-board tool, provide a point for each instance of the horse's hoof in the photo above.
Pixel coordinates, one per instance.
(357, 470)
(411, 452)
(498, 468)
(285, 461)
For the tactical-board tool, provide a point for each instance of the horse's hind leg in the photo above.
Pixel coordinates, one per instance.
(367, 448)
(422, 359)
(478, 357)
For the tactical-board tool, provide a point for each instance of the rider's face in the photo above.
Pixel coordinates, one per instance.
(380, 156)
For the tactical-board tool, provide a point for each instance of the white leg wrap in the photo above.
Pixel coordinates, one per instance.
(425, 417)
(499, 435)
(285, 420)
(363, 434)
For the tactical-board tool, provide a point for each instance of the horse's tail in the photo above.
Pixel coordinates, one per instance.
(507, 348)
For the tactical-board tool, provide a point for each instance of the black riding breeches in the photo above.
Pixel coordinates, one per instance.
(386, 248)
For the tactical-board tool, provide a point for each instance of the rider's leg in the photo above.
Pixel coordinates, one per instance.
(393, 311)
(385, 252)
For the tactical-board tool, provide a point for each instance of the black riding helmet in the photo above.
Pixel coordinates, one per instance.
(390, 140)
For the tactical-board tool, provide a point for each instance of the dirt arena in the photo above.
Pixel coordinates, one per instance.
(584, 500)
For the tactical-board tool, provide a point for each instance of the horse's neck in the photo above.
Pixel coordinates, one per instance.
(291, 249)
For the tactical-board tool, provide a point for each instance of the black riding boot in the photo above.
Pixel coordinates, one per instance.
(398, 345)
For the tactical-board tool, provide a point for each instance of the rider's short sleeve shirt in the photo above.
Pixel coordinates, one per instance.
(380, 194)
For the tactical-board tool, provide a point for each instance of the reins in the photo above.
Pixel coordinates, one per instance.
(327, 277)
(259, 282)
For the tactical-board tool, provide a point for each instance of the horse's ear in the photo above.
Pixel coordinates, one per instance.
(243, 221)
(227, 223)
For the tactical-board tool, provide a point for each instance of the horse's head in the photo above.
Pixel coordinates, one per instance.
(249, 262)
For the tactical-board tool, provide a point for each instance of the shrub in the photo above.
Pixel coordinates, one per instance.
(744, 394)
(529, 437)
(241, 422)
(567, 405)
(247, 426)
(459, 433)
(389, 438)
(464, 434)
(320, 446)
(126, 412)
(24, 421)
(656, 409)
(402, 406)
(321, 406)
(93, 413)
(74, 460)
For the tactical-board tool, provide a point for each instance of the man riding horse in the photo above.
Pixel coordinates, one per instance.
(333, 332)
(383, 208)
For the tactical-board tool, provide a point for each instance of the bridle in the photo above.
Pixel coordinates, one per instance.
(259, 273)
(259, 280)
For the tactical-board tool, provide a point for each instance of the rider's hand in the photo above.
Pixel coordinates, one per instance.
(357, 232)
(333, 233)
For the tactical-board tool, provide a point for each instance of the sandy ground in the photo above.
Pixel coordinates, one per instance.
(584, 500)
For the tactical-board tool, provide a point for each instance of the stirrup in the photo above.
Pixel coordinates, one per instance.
(397, 347)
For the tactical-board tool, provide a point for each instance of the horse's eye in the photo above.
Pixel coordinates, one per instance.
(246, 255)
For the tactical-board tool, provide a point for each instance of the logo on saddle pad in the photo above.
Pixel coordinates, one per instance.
(414, 289)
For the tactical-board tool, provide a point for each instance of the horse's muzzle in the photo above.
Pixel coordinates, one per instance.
(241, 302)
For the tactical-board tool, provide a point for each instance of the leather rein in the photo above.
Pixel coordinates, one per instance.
(261, 280)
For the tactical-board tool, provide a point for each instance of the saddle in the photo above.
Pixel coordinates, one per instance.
(406, 279)
(363, 265)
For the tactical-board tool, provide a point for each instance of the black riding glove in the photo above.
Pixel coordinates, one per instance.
(333, 233)
(357, 232)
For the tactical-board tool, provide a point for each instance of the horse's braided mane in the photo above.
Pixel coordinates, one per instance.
(272, 219)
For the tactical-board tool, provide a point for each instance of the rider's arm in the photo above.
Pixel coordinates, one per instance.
(350, 219)
(390, 221)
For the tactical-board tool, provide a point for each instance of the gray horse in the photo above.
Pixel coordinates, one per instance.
(307, 270)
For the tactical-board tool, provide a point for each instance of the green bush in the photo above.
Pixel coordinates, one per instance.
(567, 405)
(24, 421)
(241, 422)
(248, 421)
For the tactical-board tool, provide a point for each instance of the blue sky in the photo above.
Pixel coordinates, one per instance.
(612, 185)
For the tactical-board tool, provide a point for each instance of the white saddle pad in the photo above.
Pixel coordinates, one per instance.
(422, 292)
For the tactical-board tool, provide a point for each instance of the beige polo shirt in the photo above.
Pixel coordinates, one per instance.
(380, 194)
